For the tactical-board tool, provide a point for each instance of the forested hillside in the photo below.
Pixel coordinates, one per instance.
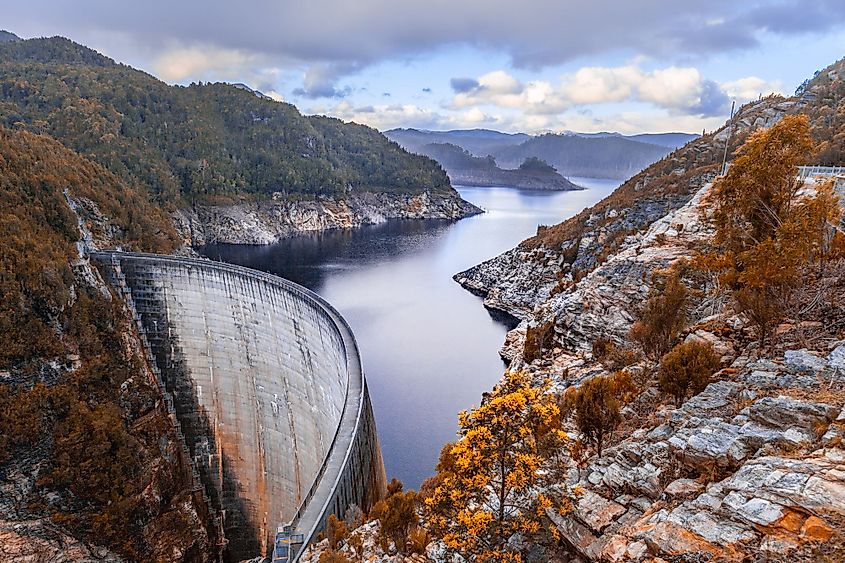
(87, 451)
(213, 143)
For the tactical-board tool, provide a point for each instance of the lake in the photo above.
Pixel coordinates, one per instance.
(430, 349)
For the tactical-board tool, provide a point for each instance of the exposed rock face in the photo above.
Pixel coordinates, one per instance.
(720, 478)
(268, 221)
(751, 468)
(524, 277)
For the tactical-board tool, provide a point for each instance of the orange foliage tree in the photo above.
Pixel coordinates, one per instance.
(486, 489)
(765, 232)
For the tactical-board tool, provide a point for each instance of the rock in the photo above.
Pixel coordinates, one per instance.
(596, 511)
(576, 534)
(836, 359)
(683, 488)
(784, 413)
(672, 540)
(815, 529)
(802, 361)
(760, 511)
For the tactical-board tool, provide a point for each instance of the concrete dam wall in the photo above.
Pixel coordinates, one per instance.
(267, 385)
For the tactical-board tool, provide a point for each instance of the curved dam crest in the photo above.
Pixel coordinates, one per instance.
(267, 385)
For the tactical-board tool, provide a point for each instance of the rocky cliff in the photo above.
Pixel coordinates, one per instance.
(753, 467)
(92, 466)
(267, 222)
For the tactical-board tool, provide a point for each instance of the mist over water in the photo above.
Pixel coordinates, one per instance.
(429, 347)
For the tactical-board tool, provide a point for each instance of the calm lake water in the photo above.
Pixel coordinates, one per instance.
(430, 349)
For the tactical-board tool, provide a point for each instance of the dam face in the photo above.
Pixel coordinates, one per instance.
(267, 385)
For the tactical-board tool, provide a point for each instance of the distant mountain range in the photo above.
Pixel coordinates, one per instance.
(482, 171)
(598, 155)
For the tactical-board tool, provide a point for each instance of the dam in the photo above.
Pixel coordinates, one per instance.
(265, 381)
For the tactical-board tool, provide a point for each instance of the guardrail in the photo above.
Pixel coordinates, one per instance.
(805, 172)
(355, 380)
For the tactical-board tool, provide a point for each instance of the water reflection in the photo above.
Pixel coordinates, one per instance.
(429, 348)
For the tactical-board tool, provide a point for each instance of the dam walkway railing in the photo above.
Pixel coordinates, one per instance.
(316, 503)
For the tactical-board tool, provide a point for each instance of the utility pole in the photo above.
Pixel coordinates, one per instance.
(728, 140)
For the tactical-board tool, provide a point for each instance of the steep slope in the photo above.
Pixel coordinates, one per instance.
(557, 256)
(91, 464)
(753, 466)
(467, 170)
(207, 144)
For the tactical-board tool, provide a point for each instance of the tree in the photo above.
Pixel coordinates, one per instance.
(687, 368)
(765, 232)
(397, 516)
(663, 315)
(755, 197)
(596, 406)
(486, 484)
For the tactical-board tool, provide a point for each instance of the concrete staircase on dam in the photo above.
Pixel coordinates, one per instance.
(266, 384)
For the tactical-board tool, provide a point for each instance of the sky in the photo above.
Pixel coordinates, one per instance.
(529, 65)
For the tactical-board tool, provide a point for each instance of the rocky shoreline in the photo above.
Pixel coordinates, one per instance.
(266, 222)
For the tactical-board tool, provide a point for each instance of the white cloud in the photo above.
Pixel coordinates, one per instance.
(680, 91)
(750, 87)
(202, 61)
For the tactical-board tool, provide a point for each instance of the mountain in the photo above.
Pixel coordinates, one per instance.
(479, 142)
(210, 143)
(86, 441)
(598, 155)
(8, 36)
(670, 140)
(467, 170)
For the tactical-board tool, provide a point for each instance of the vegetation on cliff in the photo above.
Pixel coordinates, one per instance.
(486, 487)
(77, 411)
(206, 142)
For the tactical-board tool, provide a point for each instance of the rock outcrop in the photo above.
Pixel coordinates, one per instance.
(751, 468)
(266, 222)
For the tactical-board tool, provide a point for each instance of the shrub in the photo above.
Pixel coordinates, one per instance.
(336, 531)
(397, 516)
(687, 368)
(538, 338)
(613, 357)
(662, 316)
(596, 405)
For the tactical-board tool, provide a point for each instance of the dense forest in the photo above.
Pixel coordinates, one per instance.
(214, 143)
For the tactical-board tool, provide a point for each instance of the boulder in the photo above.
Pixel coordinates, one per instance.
(803, 361)
(683, 488)
(785, 413)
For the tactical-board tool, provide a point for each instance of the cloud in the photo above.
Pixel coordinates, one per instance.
(460, 85)
(340, 37)
(321, 80)
(678, 90)
(751, 87)
(202, 62)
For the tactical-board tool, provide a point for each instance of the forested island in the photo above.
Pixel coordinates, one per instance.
(467, 170)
